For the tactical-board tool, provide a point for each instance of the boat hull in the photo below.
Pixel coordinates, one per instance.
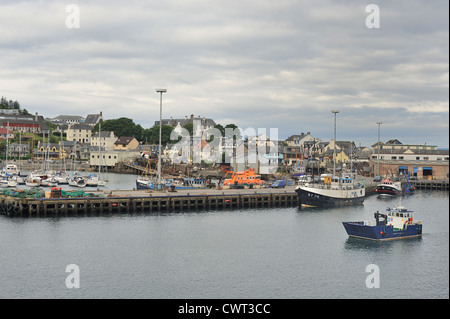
(380, 233)
(387, 190)
(151, 185)
(309, 197)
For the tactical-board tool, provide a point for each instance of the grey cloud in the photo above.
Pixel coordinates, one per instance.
(282, 64)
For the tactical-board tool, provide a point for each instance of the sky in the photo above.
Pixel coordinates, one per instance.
(258, 64)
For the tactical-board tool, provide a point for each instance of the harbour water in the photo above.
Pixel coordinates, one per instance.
(280, 253)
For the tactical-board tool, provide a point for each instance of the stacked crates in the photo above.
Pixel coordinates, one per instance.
(55, 192)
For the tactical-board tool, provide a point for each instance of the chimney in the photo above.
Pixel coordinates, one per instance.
(36, 117)
(192, 117)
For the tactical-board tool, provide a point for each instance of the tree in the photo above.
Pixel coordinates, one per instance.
(190, 128)
(232, 131)
(151, 135)
(220, 128)
(122, 127)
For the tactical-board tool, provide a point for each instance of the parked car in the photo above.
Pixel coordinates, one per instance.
(377, 179)
(279, 184)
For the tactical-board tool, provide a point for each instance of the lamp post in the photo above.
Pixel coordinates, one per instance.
(379, 123)
(334, 149)
(160, 91)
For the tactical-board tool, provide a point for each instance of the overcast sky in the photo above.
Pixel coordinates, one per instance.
(256, 63)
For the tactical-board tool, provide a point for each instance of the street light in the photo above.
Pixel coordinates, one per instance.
(334, 150)
(379, 123)
(160, 91)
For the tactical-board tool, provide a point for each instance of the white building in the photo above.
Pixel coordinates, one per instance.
(105, 141)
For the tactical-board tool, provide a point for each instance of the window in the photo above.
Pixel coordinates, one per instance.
(394, 157)
(417, 158)
(427, 171)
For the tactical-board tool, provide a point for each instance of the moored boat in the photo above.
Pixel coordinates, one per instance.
(77, 180)
(244, 178)
(397, 223)
(61, 177)
(94, 181)
(11, 169)
(32, 182)
(333, 191)
(389, 188)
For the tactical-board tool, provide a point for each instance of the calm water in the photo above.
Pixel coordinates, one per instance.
(266, 253)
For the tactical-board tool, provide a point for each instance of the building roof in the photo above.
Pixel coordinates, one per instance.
(81, 127)
(394, 141)
(65, 118)
(104, 134)
(93, 119)
(4, 129)
(297, 137)
(173, 122)
(124, 140)
(24, 119)
(346, 144)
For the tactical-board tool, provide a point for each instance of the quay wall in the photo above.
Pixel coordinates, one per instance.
(91, 206)
(135, 201)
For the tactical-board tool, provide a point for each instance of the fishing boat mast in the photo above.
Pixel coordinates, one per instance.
(334, 149)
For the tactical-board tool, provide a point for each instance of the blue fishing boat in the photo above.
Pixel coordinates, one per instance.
(397, 223)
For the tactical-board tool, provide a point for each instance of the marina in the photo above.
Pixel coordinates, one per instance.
(124, 198)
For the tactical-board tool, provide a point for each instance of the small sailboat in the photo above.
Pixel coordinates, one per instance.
(32, 181)
(77, 180)
(61, 178)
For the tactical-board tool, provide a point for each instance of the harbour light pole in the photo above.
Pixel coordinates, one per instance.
(160, 91)
(334, 149)
(379, 123)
